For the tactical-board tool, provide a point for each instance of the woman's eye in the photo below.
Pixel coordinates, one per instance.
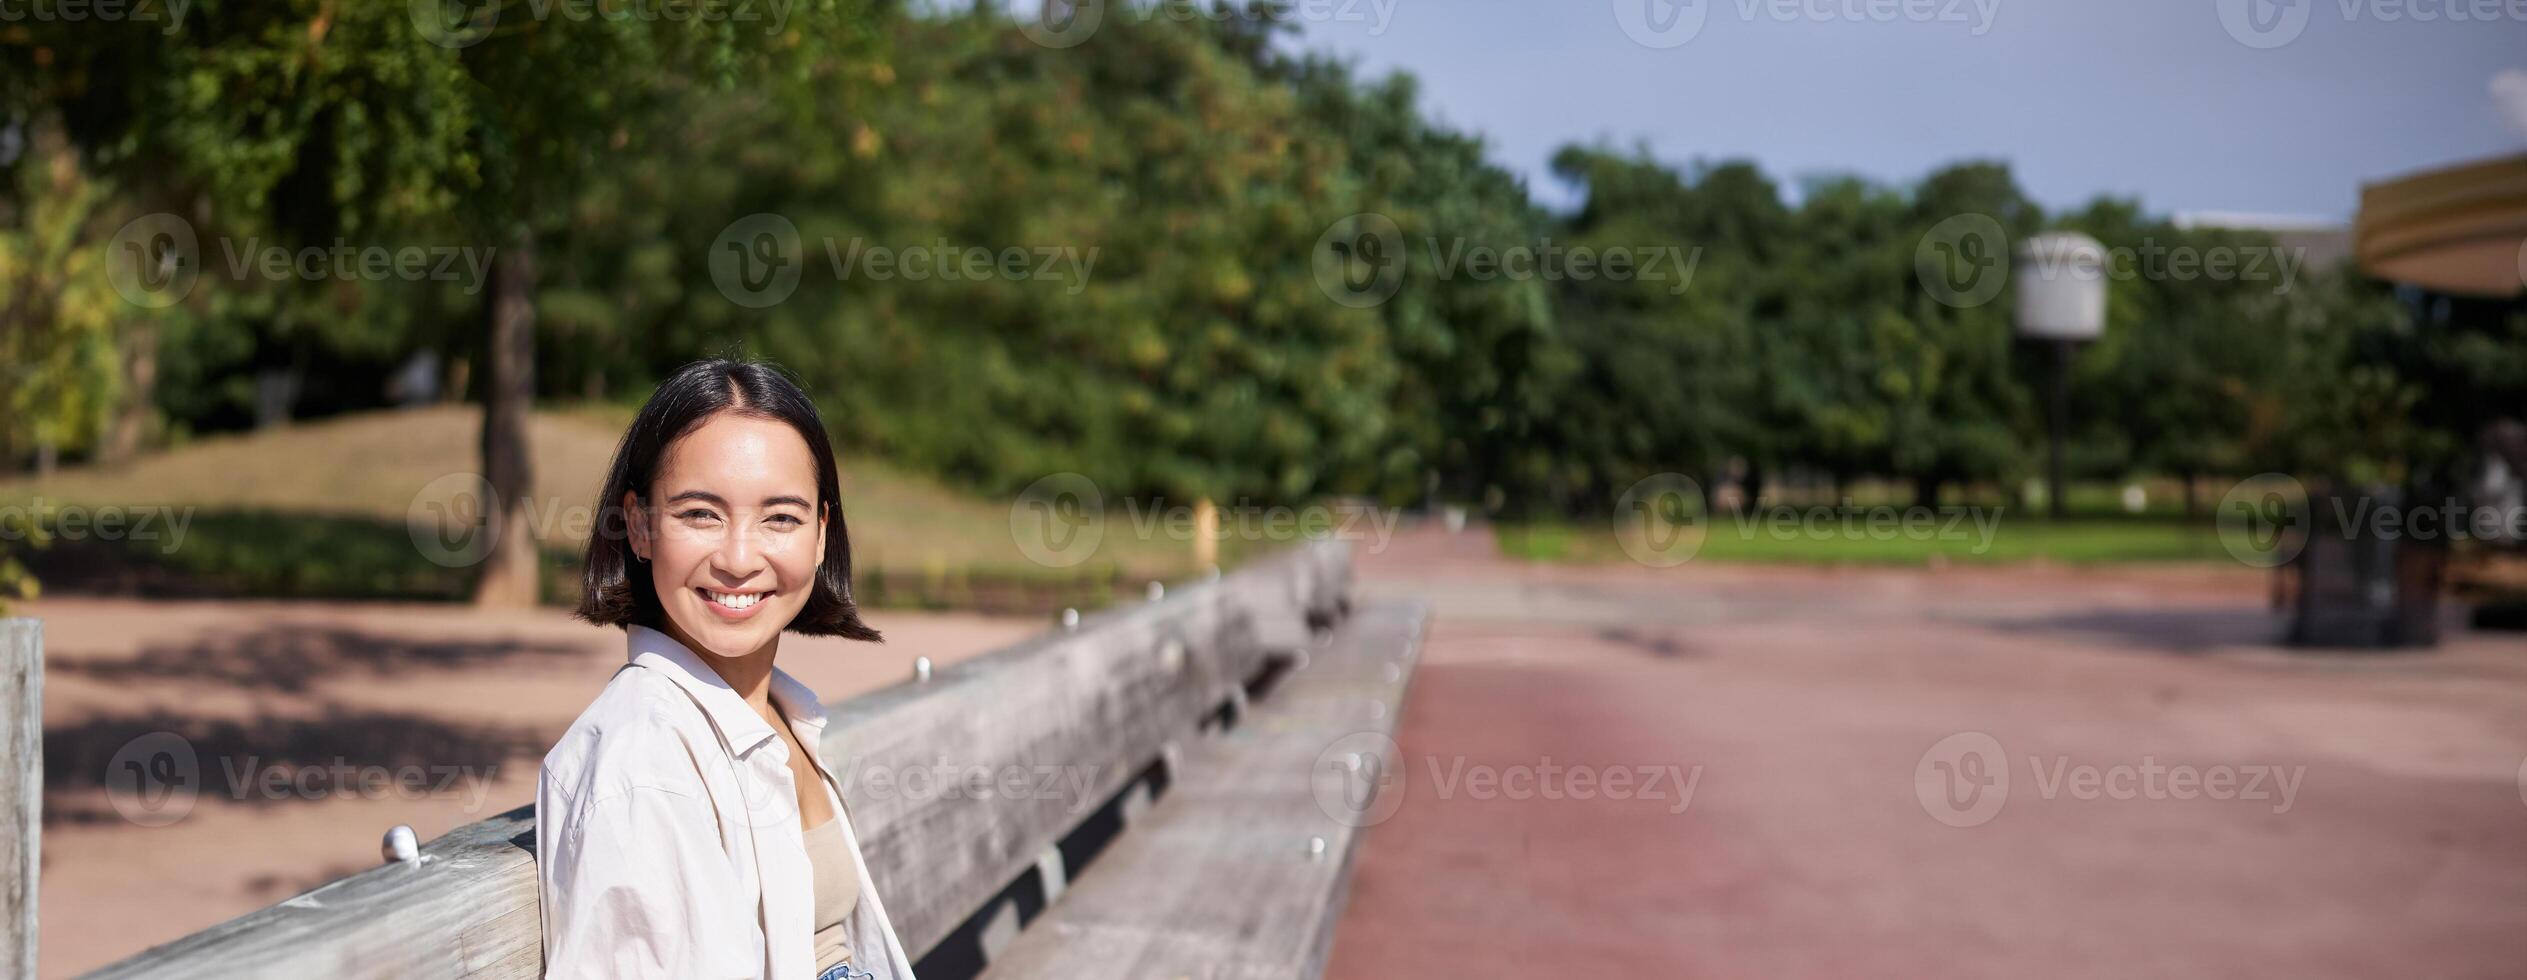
(698, 515)
(784, 521)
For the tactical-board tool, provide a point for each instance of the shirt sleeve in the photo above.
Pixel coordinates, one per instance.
(635, 885)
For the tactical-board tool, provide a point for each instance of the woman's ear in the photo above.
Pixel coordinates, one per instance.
(636, 525)
(824, 523)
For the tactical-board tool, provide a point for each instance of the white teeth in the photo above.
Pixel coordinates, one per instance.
(734, 600)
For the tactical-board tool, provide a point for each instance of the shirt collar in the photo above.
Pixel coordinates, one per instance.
(728, 709)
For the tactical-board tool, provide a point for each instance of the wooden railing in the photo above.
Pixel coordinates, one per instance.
(1088, 716)
(21, 790)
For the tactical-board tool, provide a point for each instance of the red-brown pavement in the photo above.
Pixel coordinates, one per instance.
(2373, 822)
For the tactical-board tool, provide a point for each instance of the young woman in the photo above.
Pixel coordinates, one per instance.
(685, 827)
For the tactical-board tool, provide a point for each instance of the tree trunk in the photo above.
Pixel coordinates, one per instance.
(140, 387)
(1926, 492)
(2193, 502)
(509, 572)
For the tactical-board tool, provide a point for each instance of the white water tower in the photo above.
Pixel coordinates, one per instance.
(2061, 279)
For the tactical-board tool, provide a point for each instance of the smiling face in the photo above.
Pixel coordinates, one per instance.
(732, 533)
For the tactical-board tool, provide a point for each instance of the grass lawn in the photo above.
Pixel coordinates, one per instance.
(328, 509)
(1793, 536)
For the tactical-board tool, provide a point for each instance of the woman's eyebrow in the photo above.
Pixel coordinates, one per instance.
(716, 500)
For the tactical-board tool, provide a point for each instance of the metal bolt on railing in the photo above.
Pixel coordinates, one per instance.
(400, 846)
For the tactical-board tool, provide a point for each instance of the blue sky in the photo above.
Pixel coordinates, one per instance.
(2191, 105)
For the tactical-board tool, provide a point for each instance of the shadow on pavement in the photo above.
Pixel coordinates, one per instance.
(271, 760)
(290, 658)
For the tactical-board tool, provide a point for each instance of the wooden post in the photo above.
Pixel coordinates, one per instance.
(21, 790)
(1206, 533)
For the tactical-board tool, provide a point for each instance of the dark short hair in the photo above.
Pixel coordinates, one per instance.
(616, 591)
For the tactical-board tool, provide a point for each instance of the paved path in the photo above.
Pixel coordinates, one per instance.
(1797, 798)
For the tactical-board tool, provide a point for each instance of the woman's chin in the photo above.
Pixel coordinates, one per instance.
(711, 636)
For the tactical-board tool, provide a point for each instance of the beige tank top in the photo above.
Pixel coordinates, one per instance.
(837, 891)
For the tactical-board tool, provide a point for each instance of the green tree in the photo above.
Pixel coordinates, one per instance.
(310, 120)
(1481, 358)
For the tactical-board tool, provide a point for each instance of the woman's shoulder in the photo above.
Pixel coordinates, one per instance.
(640, 732)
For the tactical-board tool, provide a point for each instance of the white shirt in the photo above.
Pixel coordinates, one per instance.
(667, 835)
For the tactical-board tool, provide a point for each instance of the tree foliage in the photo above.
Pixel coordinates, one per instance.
(1171, 187)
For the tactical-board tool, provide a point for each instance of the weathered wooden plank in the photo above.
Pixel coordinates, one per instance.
(1241, 871)
(21, 790)
(467, 908)
(1065, 723)
(1089, 706)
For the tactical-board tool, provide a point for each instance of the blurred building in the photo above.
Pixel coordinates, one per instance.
(2324, 242)
(2457, 231)
(2455, 238)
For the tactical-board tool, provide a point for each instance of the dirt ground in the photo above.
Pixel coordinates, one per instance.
(2028, 771)
(465, 701)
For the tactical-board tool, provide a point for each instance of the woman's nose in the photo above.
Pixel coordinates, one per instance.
(739, 553)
